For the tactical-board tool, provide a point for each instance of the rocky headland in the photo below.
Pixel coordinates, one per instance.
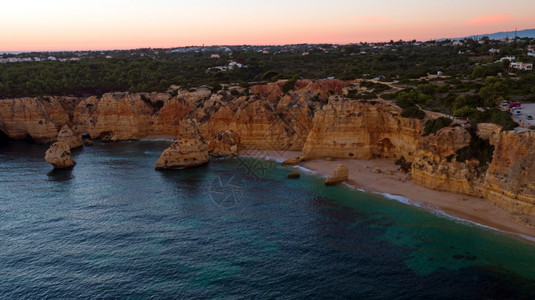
(315, 118)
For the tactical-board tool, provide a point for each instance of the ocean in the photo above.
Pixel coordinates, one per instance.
(114, 227)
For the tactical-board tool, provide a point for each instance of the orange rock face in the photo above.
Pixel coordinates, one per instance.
(224, 144)
(354, 129)
(188, 150)
(314, 118)
(338, 175)
(59, 155)
(37, 119)
(67, 136)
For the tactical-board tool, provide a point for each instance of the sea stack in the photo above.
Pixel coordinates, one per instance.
(340, 174)
(59, 155)
(67, 136)
(188, 150)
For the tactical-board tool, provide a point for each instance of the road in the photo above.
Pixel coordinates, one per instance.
(527, 109)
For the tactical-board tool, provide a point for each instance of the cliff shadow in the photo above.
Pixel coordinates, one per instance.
(60, 175)
(4, 138)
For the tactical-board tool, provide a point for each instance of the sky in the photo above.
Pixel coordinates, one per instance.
(37, 25)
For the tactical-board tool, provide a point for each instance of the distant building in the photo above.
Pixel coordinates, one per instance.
(215, 56)
(494, 51)
(521, 66)
(509, 58)
(51, 58)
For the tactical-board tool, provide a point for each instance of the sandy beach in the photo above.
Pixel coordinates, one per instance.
(363, 174)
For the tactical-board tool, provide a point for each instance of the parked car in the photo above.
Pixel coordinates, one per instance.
(505, 103)
(515, 104)
(529, 117)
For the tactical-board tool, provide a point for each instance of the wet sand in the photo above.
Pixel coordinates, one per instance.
(363, 174)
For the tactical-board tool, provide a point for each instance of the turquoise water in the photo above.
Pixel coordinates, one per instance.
(113, 227)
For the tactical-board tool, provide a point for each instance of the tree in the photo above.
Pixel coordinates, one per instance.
(493, 91)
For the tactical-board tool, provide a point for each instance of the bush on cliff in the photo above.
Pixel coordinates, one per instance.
(478, 149)
(432, 126)
(413, 113)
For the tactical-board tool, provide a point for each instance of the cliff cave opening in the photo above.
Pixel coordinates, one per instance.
(4, 138)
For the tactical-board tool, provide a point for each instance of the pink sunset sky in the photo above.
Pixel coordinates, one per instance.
(29, 25)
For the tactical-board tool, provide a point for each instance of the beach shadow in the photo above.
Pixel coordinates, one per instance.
(60, 175)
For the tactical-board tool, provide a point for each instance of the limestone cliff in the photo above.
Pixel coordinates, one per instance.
(355, 129)
(36, 119)
(224, 144)
(508, 181)
(315, 117)
(117, 116)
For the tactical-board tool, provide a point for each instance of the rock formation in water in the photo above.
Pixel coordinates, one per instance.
(59, 155)
(67, 136)
(188, 150)
(224, 144)
(338, 175)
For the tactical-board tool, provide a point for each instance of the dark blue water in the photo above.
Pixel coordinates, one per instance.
(113, 227)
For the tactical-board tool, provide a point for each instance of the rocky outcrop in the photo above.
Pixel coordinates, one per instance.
(294, 175)
(354, 129)
(59, 155)
(338, 175)
(67, 136)
(188, 150)
(507, 181)
(224, 144)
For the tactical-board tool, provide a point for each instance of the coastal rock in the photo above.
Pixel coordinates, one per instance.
(294, 175)
(59, 155)
(188, 150)
(339, 174)
(224, 144)
(291, 161)
(67, 136)
(88, 143)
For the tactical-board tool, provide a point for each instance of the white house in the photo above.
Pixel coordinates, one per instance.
(521, 66)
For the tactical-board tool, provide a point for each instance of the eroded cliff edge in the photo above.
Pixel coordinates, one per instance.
(315, 117)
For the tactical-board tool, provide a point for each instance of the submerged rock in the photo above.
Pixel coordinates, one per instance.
(59, 155)
(224, 144)
(340, 174)
(67, 136)
(188, 150)
(294, 175)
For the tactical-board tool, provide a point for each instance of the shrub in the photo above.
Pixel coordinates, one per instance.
(432, 126)
(413, 113)
(404, 165)
(478, 148)
(289, 84)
